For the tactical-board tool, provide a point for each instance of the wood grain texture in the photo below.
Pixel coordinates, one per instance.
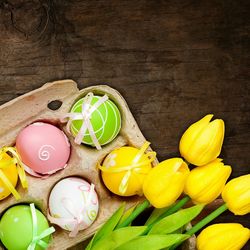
(173, 61)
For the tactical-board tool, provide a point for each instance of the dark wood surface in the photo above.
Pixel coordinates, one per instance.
(173, 61)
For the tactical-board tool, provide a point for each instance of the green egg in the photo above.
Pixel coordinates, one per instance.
(16, 228)
(105, 120)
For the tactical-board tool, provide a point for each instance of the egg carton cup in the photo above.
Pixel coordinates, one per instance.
(49, 103)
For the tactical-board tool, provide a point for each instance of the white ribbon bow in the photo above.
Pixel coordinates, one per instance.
(85, 116)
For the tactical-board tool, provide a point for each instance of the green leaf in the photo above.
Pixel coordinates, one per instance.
(173, 222)
(155, 215)
(107, 227)
(138, 210)
(153, 242)
(119, 237)
(127, 214)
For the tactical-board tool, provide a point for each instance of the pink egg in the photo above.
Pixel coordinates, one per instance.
(43, 148)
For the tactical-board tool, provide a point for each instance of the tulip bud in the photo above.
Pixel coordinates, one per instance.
(224, 236)
(205, 183)
(202, 141)
(165, 182)
(236, 195)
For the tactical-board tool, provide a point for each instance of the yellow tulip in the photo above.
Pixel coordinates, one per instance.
(165, 182)
(236, 195)
(205, 183)
(202, 141)
(225, 236)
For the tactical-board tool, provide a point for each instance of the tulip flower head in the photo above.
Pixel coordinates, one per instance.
(205, 183)
(201, 143)
(236, 195)
(224, 236)
(165, 182)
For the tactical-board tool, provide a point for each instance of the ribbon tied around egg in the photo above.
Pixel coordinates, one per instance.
(77, 219)
(85, 116)
(15, 159)
(136, 166)
(38, 239)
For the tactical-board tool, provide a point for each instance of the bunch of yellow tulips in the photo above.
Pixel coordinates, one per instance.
(200, 146)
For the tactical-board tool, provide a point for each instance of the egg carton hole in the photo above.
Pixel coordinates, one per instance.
(112, 97)
(54, 105)
(82, 177)
(43, 150)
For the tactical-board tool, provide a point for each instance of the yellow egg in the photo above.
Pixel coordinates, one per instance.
(122, 174)
(10, 172)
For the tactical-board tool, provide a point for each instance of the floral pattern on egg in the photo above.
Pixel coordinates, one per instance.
(110, 160)
(73, 203)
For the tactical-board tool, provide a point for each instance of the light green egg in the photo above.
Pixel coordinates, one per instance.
(105, 120)
(16, 228)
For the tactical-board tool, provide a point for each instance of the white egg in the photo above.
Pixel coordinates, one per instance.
(73, 204)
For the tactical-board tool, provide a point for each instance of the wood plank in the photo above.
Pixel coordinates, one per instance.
(173, 61)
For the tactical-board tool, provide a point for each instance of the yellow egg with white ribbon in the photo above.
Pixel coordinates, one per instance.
(8, 175)
(124, 169)
(11, 168)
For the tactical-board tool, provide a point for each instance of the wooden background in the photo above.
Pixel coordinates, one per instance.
(173, 61)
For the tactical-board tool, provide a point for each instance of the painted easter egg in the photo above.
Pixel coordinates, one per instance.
(104, 119)
(124, 170)
(43, 148)
(73, 204)
(9, 173)
(16, 228)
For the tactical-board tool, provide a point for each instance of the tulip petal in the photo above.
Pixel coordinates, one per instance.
(165, 182)
(236, 195)
(192, 133)
(201, 143)
(224, 236)
(207, 146)
(205, 183)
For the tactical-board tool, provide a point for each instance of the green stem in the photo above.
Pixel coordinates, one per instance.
(138, 210)
(204, 222)
(144, 205)
(207, 219)
(172, 209)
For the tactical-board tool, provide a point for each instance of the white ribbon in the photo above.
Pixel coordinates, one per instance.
(139, 167)
(38, 239)
(85, 116)
(77, 219)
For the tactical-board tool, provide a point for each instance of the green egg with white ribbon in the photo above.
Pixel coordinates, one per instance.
(23, 227)
(94, 120)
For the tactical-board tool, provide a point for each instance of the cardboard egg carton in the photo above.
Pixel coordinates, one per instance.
(49, 103)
